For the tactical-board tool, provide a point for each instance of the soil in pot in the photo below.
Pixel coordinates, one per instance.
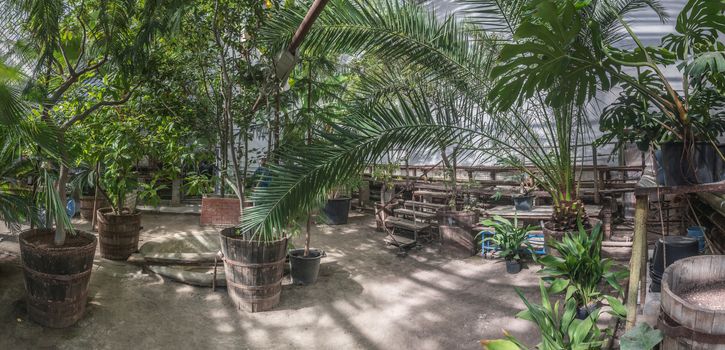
(524, 203)
(305, 269)
(336, 211)
(513, 266)
(456, 230)
(56, 278)
(253, 270)
(118, 233)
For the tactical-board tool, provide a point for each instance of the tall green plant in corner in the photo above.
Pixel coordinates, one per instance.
(566, 51)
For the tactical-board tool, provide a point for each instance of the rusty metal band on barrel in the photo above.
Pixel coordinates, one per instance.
(673, 329)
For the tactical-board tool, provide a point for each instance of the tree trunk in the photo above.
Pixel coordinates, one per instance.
(95, 196)
(60, 229)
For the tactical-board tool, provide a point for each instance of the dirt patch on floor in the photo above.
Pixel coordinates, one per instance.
(365, 298)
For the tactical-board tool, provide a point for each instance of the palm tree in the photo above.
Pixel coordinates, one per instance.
(450, 55)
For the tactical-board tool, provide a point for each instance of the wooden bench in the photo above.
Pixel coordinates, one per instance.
(405, 224)
(423, 205)
(423, 215)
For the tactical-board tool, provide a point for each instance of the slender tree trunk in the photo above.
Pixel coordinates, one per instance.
(96, 185)
(309, 141)
(60, 229)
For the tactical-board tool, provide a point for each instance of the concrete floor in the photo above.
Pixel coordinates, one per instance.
(366, 298)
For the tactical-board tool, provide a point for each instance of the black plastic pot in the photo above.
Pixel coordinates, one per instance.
(700, 164)
(524, 203)
(513, 266)
(304, 269)
(336, 211)
(582, 312)
(676, 248)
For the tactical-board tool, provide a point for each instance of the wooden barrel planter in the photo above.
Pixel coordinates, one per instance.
(456, 230)
(118, 233)
(693, 304)
(56, 278)
(86, 206)
(253, 270)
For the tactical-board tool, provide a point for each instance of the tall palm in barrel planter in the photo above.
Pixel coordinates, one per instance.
(403, 113)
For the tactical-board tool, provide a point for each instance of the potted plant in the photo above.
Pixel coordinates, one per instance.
(508, 238)
(119, 226)
(558, 329)
(305, 262)
(525, 200)
(579, 269)
(253, 267)
(337, 207)
(576, 44)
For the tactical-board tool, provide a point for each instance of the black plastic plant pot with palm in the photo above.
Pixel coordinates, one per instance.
(336, 210)
(305, 269)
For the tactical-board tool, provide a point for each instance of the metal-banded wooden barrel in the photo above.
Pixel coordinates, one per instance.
(118, 233)
(690, 322)
(56, 278)
(253, 270)
(86, 206)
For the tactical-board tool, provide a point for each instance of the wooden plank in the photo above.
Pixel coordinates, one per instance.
(639, 247)
(423, 205)
(417, 214)
(407, 224)
(542, 212)
(179, 258)
(434, 194)
(399, 241)
(647, 185)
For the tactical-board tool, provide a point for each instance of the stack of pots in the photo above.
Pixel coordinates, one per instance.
(671, 248)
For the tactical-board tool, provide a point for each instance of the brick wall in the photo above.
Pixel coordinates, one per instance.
(219, 211)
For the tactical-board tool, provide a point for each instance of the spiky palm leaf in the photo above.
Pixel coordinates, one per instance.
(396, 30)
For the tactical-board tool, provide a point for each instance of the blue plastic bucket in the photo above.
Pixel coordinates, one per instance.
(698, 233)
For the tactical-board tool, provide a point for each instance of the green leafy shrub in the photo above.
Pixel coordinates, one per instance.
(508, 236)
(580, 269)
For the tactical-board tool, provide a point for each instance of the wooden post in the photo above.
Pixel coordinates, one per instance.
(639, 254)
(597, 196)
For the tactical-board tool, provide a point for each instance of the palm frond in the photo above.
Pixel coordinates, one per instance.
(502, 16)
(394, 30)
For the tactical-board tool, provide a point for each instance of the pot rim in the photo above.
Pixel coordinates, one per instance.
(108, 211)
(321, 254)
(23, 240)
(228, 232)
